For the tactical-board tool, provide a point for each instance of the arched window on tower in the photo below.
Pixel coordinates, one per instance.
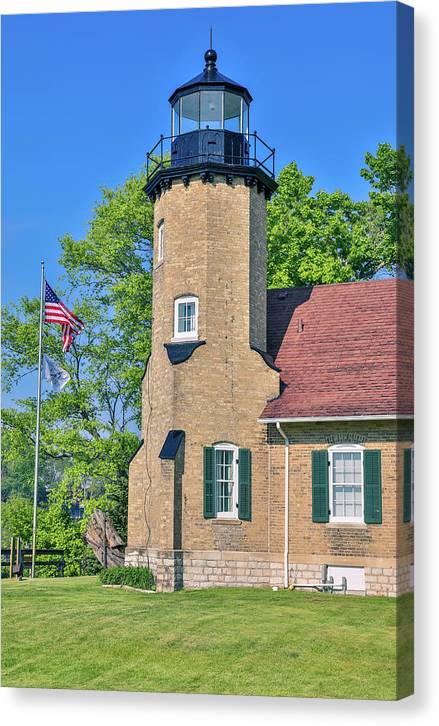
(160, 241)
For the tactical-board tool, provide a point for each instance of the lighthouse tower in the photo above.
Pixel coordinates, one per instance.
(198, 483)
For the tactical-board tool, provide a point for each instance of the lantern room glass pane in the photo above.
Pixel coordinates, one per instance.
(190, 113)
(245, 117)
(211, 109)
(176, 118)
(232, 112)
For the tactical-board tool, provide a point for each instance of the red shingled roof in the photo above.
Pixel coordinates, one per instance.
(343, 349)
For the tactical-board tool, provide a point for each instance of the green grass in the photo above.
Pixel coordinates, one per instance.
(73, 633)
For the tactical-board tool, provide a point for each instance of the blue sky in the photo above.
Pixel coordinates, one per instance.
(85, 96)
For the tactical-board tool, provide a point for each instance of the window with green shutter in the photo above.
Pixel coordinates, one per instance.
(346, 483)
(407, 484)
(320, 488)
(209, 482)
(372, 486)
(227, 482)
(245, 484)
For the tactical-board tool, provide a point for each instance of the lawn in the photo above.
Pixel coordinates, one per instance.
(73, 633)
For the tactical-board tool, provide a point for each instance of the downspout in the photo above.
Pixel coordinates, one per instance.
(286, 533)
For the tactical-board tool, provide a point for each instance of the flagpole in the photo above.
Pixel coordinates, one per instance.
(37, 433)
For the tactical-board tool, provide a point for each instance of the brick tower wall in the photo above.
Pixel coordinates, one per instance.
(214, 248)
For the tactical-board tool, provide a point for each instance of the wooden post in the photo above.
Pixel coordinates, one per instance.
(11, 557)
(17, 557)
(105, 541)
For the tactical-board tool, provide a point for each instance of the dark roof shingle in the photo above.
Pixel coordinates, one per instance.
(343, 349)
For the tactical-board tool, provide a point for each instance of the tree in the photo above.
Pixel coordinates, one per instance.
(390, 208)
(328, 237)
(89, 429)
(17, 517)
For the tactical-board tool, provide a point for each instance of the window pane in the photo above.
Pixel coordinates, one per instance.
(186, 317)
(224, 479)
(244, 117)
(338, 503)
(347, 467)
(232, 112)
(211, 109)
(338, 468)
(357, 477)
(161, 239)
(176, 118)
(181, 317)
(347, 501)
(189, 112)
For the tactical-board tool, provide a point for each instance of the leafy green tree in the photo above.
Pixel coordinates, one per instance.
(17, 517)
(327, 237)
(390, 209)
(89, 428)
(57, 530)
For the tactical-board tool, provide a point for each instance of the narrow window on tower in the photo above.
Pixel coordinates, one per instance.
(186, 318)
(160, 241)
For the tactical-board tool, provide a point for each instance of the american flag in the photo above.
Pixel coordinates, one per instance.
(56, 312)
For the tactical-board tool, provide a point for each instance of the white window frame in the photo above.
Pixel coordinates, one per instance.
(191, 334)
(341, 449)
(234, 513)
(160, 241)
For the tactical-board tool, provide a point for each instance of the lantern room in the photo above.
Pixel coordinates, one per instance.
(210, 101)
(210, 135)
(210, 119)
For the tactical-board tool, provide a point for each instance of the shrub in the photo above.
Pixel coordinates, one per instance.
(133, 576)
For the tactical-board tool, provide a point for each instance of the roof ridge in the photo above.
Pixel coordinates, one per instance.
(387, 280)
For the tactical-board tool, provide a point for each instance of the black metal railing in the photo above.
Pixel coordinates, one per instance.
(252, 152)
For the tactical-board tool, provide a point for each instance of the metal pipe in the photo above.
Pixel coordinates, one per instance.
(37, 433)
(286, 508)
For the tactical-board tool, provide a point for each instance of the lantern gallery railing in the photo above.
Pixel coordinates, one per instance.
(217, 146)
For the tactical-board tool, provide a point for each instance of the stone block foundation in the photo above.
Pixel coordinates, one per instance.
(389, 581)
(175, 569)
(192, 570)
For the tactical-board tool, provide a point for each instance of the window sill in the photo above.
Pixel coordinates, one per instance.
(184, 340)
(346, 525)
(225, 520)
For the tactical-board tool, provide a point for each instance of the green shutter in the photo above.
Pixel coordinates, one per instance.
(372, 487)
(209, 482)
(245, 484)
(407, 485)
(320, 488)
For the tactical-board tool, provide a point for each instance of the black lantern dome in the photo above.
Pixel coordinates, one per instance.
(210, 128)
(210, 100)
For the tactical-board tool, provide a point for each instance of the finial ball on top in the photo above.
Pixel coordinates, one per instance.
(210, 57)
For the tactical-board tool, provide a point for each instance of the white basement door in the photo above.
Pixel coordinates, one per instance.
(354, 576)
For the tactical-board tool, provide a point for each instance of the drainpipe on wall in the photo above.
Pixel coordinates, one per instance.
(286, 533)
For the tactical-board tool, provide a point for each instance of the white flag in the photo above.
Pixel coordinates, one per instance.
(54, 374)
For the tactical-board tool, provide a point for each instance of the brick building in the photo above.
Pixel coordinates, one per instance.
(277, 426)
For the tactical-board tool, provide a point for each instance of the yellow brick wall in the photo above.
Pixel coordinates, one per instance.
(335, 543)
(214, 248)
